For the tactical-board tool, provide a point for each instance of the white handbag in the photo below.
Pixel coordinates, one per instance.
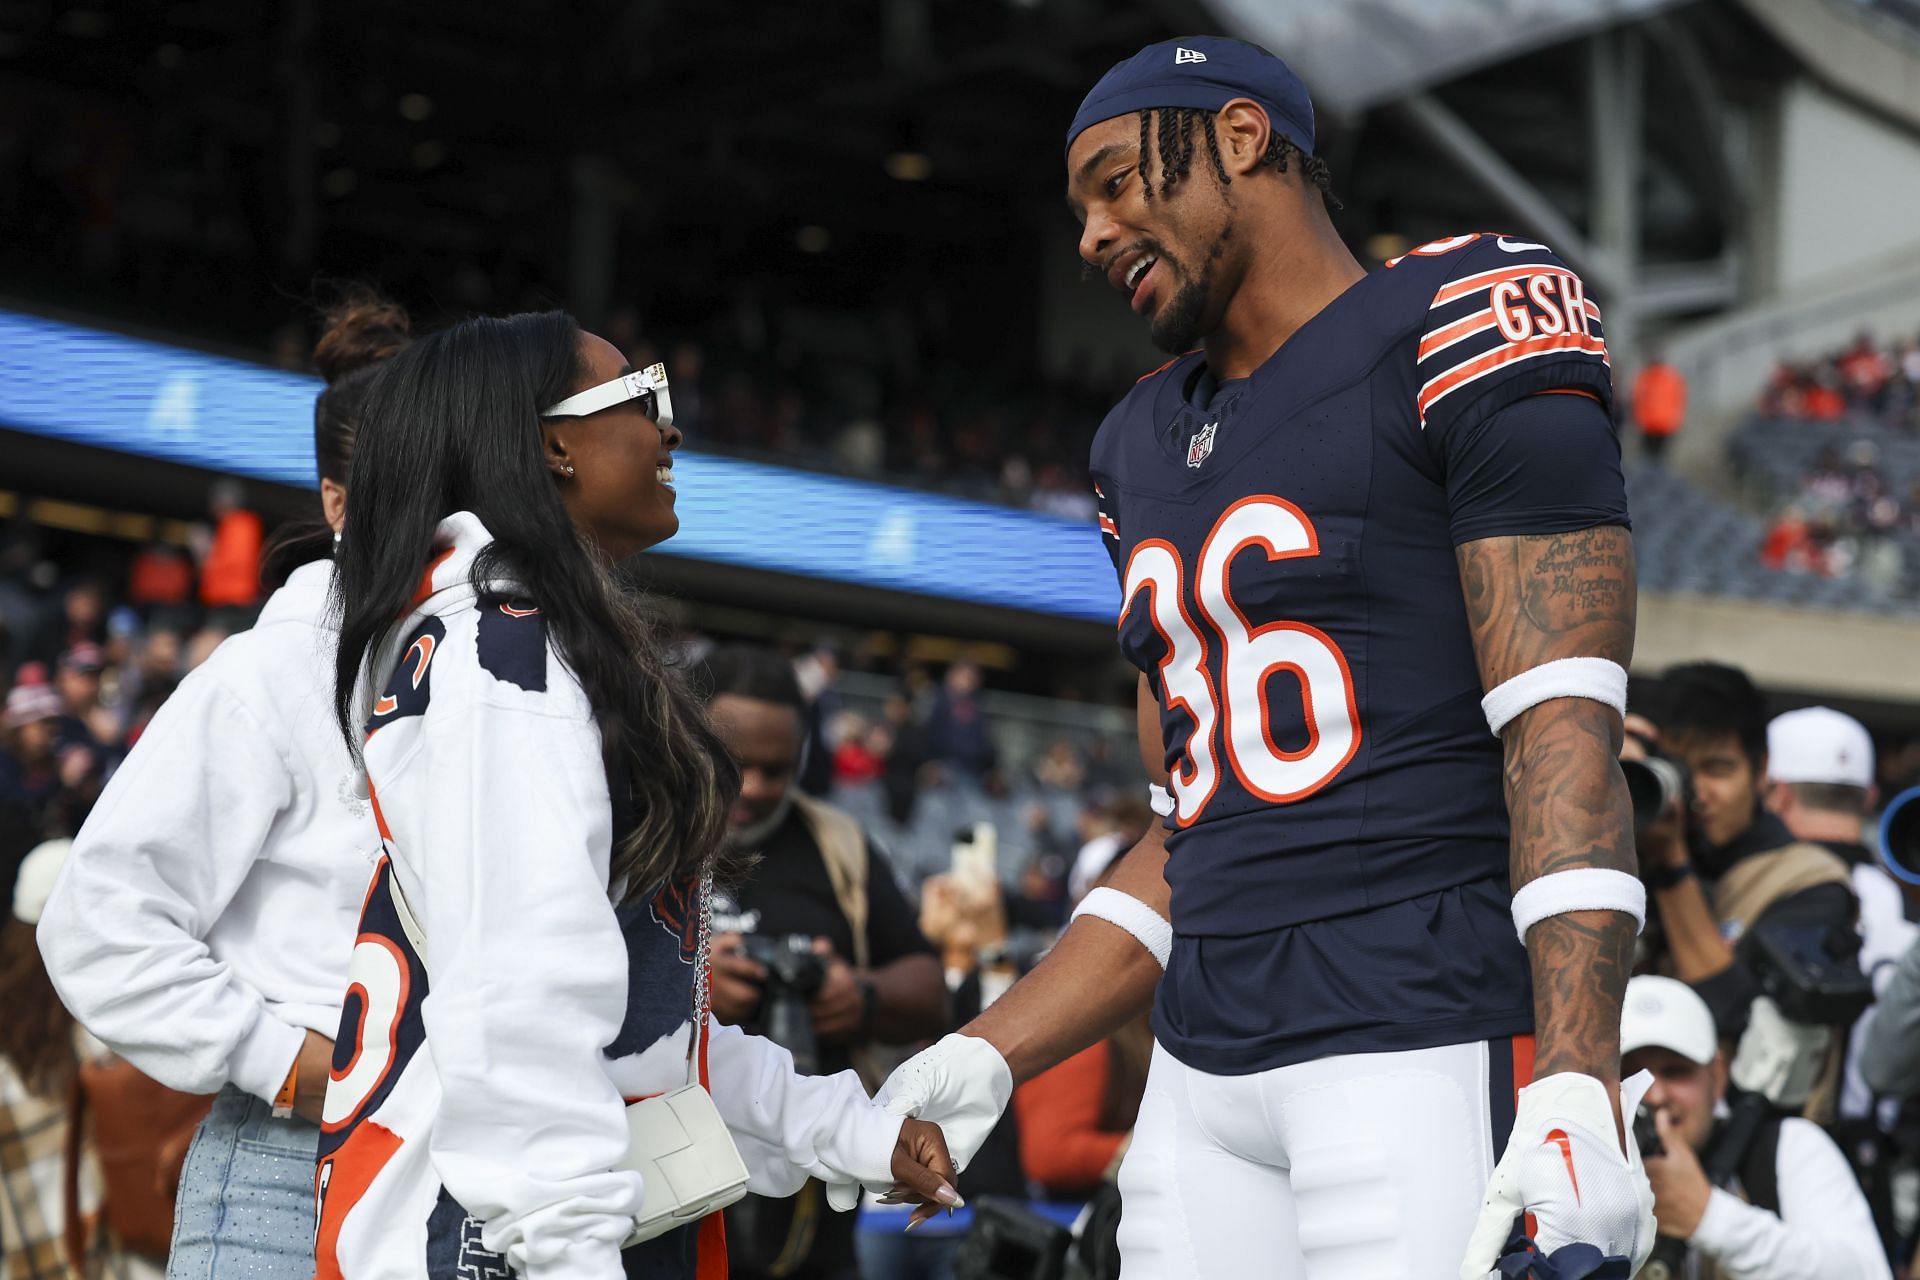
(680, 1146)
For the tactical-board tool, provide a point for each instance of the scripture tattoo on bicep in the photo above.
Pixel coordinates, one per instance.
(1531, 600)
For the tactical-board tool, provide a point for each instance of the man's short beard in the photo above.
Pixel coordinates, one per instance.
(1176, 327)
(749, 838)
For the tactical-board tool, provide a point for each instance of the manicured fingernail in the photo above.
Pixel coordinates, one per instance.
(946, 1195)
(916, 1222)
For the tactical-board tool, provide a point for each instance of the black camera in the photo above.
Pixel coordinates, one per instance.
(795, 973)
(1811, 971)
(1008, 1241)
(1669, 1257)
(1655, 785)
(1646, 1134)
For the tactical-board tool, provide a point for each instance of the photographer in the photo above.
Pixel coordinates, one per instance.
(817, 948)
(1772, 1201)
(1759, 923)
(1820, 782)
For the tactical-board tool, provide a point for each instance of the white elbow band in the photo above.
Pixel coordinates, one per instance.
(1601, 679)
(1582, 889)
(1129, 913)
(1160, 799)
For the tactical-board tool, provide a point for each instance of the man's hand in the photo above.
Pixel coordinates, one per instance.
(1565, 1165)
(1680, 1186)
(1662, 843)
(738, 983)
(839, 1006)
(316, 1066)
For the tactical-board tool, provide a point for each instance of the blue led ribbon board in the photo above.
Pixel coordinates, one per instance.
(113, 392)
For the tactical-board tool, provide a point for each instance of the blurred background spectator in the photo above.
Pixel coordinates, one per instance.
(1659, 404)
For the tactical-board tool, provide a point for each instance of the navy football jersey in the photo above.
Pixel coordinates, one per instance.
(1285, 544)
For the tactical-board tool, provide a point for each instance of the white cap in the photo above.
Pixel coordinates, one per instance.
(1819, 744)
(34, 885)
(1664, 1013)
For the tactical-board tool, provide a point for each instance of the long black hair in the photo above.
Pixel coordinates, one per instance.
(453, 424)
(359, 329)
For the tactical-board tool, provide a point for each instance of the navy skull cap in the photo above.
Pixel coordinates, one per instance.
(1201, 71)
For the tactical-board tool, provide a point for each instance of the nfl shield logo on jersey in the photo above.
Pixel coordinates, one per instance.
(1202, 446)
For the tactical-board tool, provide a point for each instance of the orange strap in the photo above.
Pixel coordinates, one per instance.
(289, 1089)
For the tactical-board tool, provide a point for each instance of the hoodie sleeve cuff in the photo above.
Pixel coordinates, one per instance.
(263, 1057)
(864, 1140)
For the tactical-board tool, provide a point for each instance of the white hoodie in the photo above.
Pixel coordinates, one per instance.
(478, 1119)
(205, 918)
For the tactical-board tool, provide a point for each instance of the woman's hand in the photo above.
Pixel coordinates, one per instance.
(923, 1172)
(316, 1065)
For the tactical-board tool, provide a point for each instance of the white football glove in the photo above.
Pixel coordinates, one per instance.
(961, 1084)
(1565, 1167)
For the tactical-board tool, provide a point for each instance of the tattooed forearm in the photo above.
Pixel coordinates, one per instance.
(1568, 805)
(1531, 600)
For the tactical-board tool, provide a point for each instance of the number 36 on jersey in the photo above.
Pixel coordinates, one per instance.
(1192, 608)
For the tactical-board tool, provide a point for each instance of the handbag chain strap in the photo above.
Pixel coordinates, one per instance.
(702, 976)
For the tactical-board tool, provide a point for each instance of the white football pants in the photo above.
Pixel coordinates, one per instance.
(1363, 1166)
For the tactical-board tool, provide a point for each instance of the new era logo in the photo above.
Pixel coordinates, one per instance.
(1187, 55)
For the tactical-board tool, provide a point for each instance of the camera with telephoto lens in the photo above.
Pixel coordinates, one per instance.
(795, 973)
(1655, 785)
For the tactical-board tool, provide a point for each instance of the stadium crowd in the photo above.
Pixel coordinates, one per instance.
(1831, 455)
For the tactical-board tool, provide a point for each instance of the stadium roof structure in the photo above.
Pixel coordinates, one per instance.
(1358, 54)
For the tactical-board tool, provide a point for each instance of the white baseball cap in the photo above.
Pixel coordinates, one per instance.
(1819, 744)
(34, 885)
(1664, 1013)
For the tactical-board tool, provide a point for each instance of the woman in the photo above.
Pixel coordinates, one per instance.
(551, 803)
(204, 924)
(38, 1062)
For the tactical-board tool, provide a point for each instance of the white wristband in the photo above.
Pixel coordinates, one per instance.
(1582, 889)
(1601, 679)
(1129, 913)
(1159, 799)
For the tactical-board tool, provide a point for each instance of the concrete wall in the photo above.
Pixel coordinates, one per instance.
(1849, 190)
(1834, 249)
(1819, 654)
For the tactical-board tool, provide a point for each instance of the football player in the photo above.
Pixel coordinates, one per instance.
(1373, 544)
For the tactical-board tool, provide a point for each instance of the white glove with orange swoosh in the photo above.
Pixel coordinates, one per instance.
(1564, 1166)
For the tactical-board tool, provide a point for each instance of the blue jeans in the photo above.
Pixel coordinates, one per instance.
(889, 1253)
(245, 1207)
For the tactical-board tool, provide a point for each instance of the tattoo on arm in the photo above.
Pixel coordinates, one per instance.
(1531, 600)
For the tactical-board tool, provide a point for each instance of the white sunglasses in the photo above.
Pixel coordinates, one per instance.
(650, 381)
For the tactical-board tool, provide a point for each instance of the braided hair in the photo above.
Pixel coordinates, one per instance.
(1173, 128)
